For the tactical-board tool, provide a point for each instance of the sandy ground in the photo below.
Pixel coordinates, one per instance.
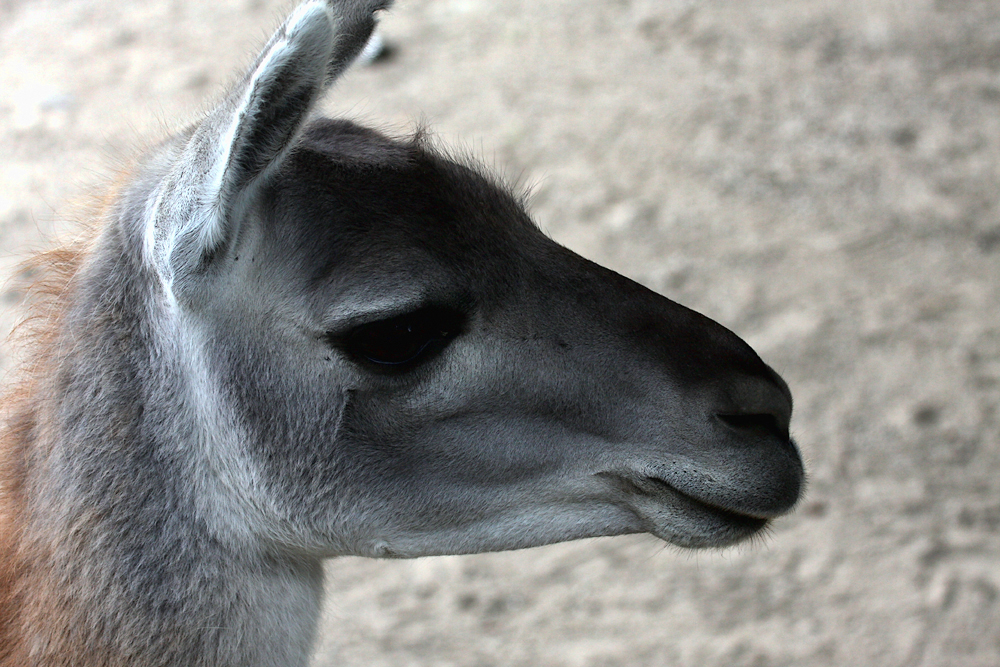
(821, 176)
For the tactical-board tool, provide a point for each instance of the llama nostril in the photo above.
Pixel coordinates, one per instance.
(759, 405)
(762, 425)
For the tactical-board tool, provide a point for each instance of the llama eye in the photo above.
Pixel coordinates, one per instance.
(404, 340)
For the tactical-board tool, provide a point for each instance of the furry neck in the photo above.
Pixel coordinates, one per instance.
(97, 572)
(106, 558)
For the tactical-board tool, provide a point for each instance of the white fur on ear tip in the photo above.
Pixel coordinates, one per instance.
(311, 25)
(373, 49)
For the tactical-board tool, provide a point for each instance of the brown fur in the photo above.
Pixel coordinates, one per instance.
(49, 278)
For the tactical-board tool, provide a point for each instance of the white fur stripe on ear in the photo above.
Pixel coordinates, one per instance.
(279, 93)
(200, 203)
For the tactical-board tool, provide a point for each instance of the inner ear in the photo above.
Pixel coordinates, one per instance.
(265, 129)
(250, 133)
(259, 122)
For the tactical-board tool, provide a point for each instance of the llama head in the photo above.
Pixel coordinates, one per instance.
(384, 356)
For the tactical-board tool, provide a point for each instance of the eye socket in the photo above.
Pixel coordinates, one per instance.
(404, 340)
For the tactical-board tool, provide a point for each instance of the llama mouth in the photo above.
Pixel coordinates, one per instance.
(681, 519)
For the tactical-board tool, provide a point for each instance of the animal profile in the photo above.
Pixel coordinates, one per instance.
(290, 339)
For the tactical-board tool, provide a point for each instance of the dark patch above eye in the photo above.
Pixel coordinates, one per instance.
(405, 340)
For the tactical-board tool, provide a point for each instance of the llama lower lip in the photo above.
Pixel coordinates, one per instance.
(666, 509)
(724, 513)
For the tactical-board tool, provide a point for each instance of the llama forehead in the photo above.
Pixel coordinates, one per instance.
(351, 194)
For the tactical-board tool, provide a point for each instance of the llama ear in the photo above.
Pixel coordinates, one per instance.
(249, 133)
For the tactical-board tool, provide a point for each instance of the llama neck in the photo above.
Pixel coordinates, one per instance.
(137, 580)
(134, 578)
(112, 559)
(196, 607)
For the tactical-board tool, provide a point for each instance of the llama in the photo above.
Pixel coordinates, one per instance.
(292, 339)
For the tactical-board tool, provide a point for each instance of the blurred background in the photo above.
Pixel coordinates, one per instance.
(821, 176)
